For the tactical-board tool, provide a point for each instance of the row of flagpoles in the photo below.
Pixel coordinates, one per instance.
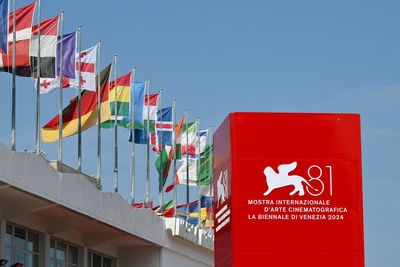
(56, 61)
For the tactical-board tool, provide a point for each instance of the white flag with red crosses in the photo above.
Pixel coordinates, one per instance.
(49, 84)
(88, 69)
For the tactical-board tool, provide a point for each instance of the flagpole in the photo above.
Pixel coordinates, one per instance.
(79, 100)
(14, 86)
(61, 100)
(115, 126)
(133, 135)
(147, 199)
(98, 62)
(198, 166)
(37, 143)
(161, 185)
(187, 164)
(174, 145)
(211, 176)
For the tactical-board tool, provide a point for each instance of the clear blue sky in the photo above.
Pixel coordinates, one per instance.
(216, 57)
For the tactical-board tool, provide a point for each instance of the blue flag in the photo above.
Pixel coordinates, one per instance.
(3, 25)
(140, 132)
(68, 55)
(164, 125)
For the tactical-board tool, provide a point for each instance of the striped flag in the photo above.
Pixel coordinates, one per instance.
(163, 128)
(23, 27)
(88, 69)
(48, 48)
(187, 140)
(68, 55)
(88, 115)
(149, 112)
(123, 87)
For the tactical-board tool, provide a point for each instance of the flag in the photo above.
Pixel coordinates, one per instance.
(163, 127)
(88, 69)
(202, 135)
(193, 209)
(178, 128)
(193, 212)
(3, 25)
(23, 28)
(138, 97)
(199, 170)
(205, 166)
(142, 205)
(149, 112)
(123, 87)
(68, 54)
(48, 48)
(168, 209)
(162, 165)
(49, 84)
(187, 140)
(88, 115)
(181, 176)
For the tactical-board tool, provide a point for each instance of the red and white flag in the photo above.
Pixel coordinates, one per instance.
(49, 84)
(88, 69)
(48, 47)
(23, 27)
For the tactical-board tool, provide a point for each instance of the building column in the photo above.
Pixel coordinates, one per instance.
(44, 250)
(83, 257)
(3, 226)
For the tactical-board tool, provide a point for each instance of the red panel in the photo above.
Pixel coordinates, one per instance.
(294, 188)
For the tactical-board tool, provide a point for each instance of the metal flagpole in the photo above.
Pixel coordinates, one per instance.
(174, 147)
(187, 164)
(132, 99)
(198, 165)
(14, 86)
(79, 100)
(98, 66)
(115, 126)
(160, 145)
(211, 176)
(61, 100)
(147, 199)
(37, 143)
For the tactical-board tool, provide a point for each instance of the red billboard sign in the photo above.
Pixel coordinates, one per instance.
(288, 190)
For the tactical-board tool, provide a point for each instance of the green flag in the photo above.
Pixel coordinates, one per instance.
(205, 167)
(162, 164)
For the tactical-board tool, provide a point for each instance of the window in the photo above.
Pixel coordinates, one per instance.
(22, 246)
(62, 254)
(97, 260)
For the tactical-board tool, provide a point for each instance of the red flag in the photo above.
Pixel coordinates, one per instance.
(23, 27)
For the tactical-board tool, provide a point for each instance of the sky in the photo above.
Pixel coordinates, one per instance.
(216, 57)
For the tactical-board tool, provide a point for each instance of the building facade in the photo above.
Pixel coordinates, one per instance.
(51, 218)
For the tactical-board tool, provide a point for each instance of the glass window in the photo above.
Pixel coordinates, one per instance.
(96, 261)
(19, 238)
(62, 254)
(22, 246)
(8, 235)
(33, 242)
(106, 262)
(72, 255)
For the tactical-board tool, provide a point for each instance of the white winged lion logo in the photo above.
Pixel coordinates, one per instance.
(222, 187)
(282, 178)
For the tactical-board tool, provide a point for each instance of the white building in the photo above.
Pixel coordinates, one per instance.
(60, 219)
